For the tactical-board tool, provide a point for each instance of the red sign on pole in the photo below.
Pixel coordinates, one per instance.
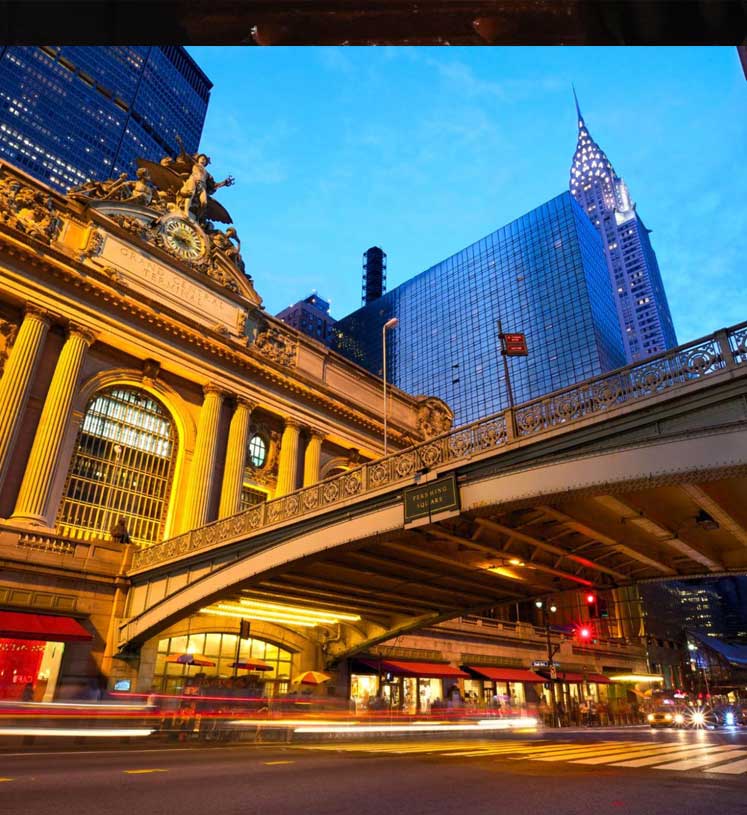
(515, 345)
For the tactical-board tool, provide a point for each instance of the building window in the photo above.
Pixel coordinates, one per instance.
(121, 468)
(251, 497)
(172, 677)
(257, 450)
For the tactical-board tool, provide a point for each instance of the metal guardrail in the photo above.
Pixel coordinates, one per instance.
(639, 382)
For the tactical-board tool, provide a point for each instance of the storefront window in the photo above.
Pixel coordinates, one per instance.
(121, 468)
(29, 669)
(220, 648)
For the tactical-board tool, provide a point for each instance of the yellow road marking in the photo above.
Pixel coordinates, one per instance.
(141, 772)
(5, 779)
(272, 763)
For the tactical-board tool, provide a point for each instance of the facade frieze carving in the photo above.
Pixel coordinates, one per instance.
(277, 346)
(8, 332)
(434, 417)
(29, 210)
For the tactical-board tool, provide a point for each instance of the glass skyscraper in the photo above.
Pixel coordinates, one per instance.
(642, 306)
(73, 113)
(544, 275)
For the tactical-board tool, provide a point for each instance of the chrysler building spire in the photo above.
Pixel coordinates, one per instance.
(642, 307)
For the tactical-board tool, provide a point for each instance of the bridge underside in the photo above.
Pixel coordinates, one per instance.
(481, 558)
(403, 579)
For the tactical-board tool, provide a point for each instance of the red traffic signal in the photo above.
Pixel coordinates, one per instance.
(591, 598)
(515, 345)
(584, 633)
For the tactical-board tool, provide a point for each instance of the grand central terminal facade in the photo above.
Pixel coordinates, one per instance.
(144, 392)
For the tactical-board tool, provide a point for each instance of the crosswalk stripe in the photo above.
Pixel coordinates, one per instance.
(701, 761)
(650, 761)
(488, 751)
(582, 750)
(732, 768)
(657, 750)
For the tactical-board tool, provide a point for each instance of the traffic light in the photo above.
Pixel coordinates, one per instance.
(584, 633)
(604, 612)
(592, 605)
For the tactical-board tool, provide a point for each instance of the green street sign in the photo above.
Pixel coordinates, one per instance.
(438, 496)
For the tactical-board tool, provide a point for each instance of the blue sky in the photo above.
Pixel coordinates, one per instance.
(423, 151)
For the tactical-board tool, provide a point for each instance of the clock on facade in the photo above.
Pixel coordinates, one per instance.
(183, 238)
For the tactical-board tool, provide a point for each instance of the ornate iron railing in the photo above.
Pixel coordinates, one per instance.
(596, 397)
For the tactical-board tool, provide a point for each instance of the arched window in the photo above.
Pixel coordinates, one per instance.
(220, 649)
(256, 451)
(121, 468)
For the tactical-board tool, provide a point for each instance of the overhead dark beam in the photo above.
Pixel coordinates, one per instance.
(549, 547)
(623, 549)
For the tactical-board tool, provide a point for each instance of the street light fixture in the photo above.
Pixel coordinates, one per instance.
(391, 323)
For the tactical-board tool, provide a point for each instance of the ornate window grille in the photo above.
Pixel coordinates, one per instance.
(122, 467)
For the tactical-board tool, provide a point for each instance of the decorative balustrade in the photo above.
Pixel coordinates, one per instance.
(596, 397)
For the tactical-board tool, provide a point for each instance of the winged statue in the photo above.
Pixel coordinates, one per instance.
(187, 179)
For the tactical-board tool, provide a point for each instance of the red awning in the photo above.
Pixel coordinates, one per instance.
(567, 676)
(505, 674)
(20, 625)
(430, 670)
(600, 679)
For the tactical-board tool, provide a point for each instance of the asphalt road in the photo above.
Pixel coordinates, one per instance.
(559, 773)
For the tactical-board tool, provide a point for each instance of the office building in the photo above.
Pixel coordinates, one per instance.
(544, 275)
(69, 114)
(641, 302)
(310, 316)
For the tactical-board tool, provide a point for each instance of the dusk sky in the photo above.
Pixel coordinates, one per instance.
(423, 151)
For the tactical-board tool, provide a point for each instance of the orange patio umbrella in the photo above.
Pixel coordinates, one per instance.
(312, 678)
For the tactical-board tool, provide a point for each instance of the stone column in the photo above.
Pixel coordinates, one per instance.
(288, 458)
(201, 472)
(312, 458)
(20, 369)
(233, 471)
(31, 504)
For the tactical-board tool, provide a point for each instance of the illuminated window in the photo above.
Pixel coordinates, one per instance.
(219, 648)
(121, 468)
(257, 450)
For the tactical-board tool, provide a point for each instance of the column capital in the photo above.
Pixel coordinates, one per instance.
(85, 333)
(41, 314)
(211, 388)
(316, 433)
(244, 401)
(291, 421)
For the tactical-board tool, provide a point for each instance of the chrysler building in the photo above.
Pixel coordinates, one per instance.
(642, 308)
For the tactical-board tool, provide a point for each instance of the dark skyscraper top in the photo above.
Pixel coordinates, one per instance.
(73, 113)
(642, 307)
(374, 274)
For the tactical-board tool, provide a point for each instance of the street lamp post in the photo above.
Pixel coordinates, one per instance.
(391, 323)
(550, 655)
